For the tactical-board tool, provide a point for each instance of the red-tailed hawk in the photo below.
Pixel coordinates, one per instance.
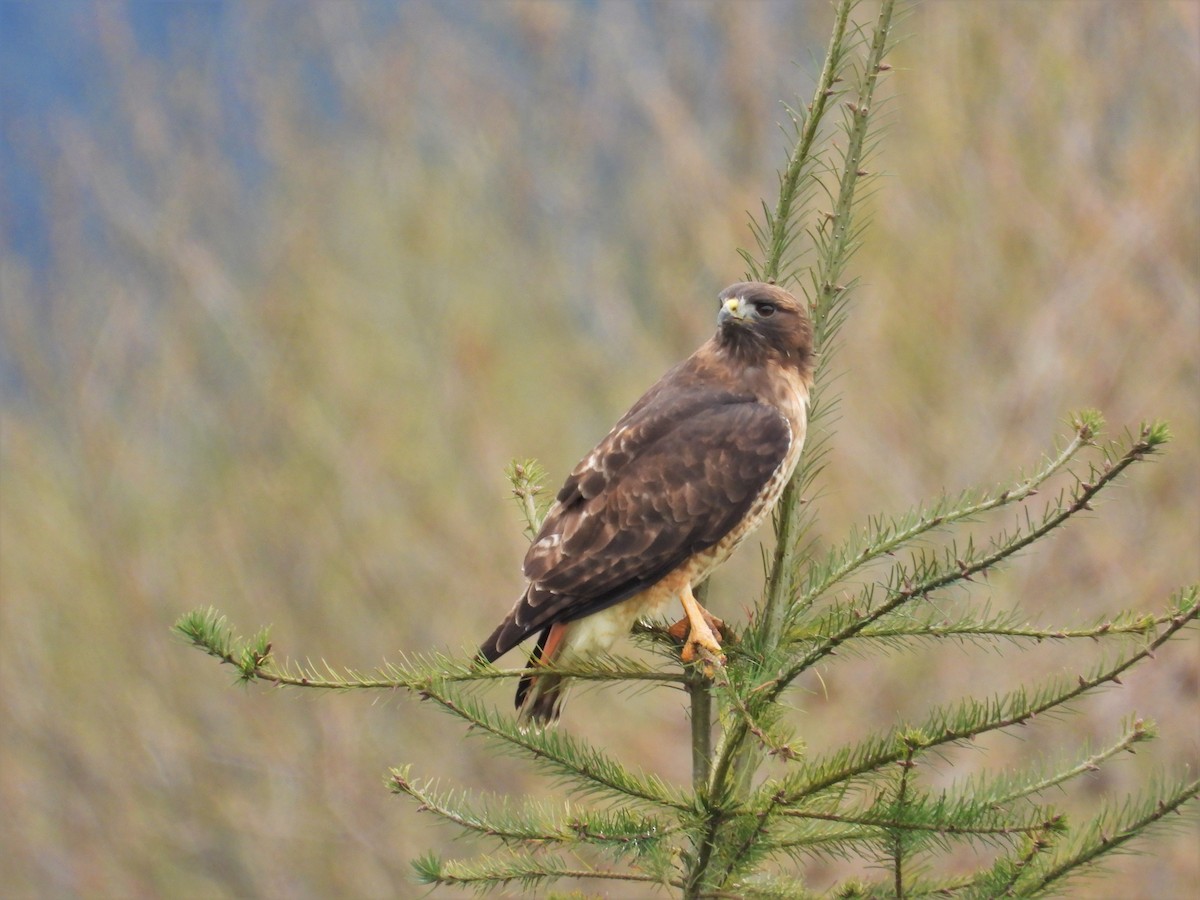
(683, 477)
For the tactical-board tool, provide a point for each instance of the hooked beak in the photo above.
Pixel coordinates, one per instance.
(733, 308)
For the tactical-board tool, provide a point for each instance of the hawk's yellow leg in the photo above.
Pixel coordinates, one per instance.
(703, 628)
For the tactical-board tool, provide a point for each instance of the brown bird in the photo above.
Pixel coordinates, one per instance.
(694, 467)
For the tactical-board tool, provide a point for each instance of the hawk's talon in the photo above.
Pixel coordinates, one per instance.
(696, 652)
(701, 628)
(702, 644)
(682, 630)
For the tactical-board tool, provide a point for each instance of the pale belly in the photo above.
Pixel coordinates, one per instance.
(599, 632)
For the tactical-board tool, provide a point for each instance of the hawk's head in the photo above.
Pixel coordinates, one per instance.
(760, 322)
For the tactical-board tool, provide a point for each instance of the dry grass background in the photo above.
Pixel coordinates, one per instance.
(284, 379)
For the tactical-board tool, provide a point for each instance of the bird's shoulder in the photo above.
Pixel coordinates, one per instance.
(682, 395)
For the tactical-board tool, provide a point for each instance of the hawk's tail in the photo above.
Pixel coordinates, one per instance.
(540, 697)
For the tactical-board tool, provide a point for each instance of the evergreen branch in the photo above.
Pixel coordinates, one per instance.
(597, 667)
(588, 768)
(1126, 624)
(1037, 844)
(1007, 788)
(897, 842)
(771, 745)
(927, 623)
(1001, 879)
(741, 853)
(1109, 832)
(883, 538)
(209, 630)
(528, 480)
(733, 757)
(754, 843)
(771, 798)
(767, 888)
(700, 707)
(875, 754)
(818, 837)
(972, 718)
(909, 817)
(913, 818)
(828, 301)
(836, 238)
(777, 233)
(802, 842)
(534, 825)
(964, 569)
(941, 828)
(965, 812)
(451, 807)
(489, 872)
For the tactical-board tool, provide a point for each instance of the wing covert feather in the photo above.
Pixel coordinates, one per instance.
(664, 485)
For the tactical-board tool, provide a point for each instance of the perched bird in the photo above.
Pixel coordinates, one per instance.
(680, 481)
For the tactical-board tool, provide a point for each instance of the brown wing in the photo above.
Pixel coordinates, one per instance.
(676, 475)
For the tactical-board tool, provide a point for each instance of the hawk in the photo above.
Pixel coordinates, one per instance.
(692, 469)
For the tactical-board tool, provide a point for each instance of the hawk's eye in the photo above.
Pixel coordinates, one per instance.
(766, 310)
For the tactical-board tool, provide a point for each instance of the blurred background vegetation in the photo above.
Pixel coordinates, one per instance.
(283, 287)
